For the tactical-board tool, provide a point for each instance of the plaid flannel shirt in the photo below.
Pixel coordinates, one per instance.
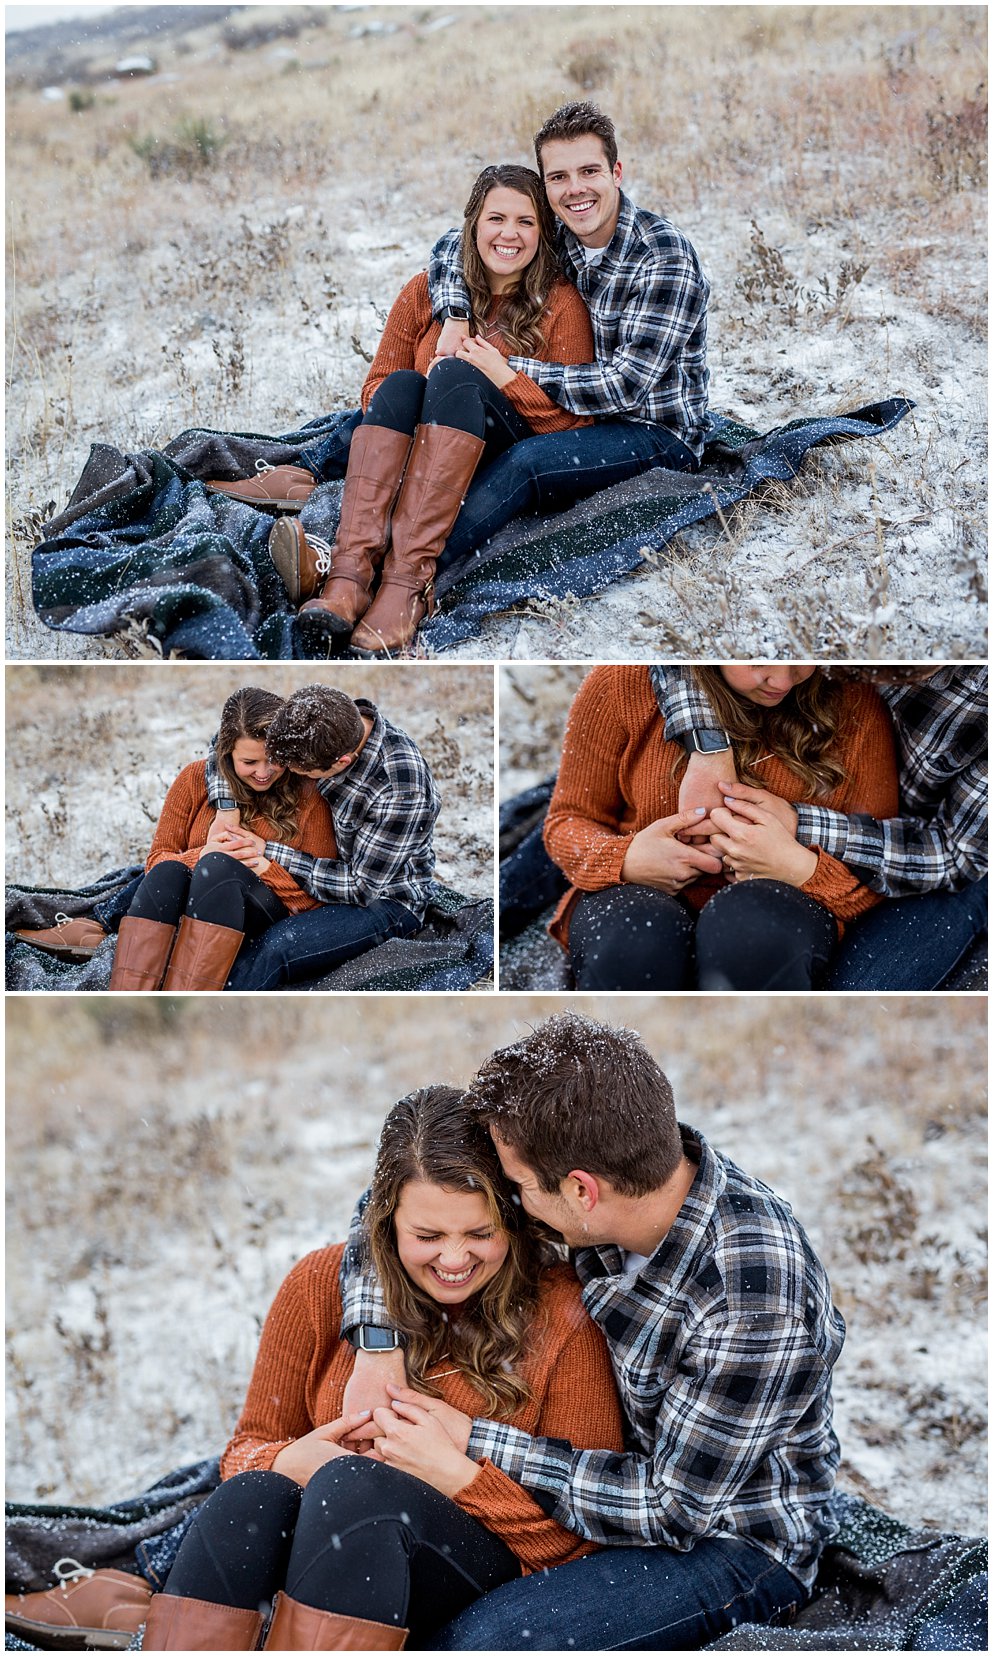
(384, 808)
(723, 1344)
(940, 839)
(647, 298)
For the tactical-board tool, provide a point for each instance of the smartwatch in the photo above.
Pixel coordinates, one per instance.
(706, 741)
(367, 1338)
(226, 805)
(457, 313)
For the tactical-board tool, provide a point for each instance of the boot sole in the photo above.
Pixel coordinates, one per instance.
(60, 950)
(284, 550)
(263, 505)
(320, 629)
(47, 1637)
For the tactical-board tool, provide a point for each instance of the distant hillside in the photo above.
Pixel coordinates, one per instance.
(85, 48)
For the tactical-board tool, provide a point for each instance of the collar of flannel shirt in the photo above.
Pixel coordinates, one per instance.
(677, 1250)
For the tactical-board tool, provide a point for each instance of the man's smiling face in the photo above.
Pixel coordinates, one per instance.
(583, 189)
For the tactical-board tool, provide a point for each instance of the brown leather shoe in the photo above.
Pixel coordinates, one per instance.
(141, 954)
(296, 1626)
(176, 1623)
(377, 457)
(87, 1609)
(441, 467)
(67, 937)
(303, 561)
(203, 955)
(287, 488)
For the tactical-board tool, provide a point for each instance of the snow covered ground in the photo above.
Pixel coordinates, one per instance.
(219, 245)
(167, 1161)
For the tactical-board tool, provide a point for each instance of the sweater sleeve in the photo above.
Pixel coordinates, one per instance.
(275, 1411)
(568, 338)
(171, 840)
(579, 1406)
(582, 834)
(872, 787)
(405, 325)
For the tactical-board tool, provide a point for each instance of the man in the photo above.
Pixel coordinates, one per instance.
(647, 297)
(933, 858)
(719, 1320)
(383, 804)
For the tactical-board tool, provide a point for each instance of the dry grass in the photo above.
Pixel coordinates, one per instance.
(167, 1161)
(198, 263)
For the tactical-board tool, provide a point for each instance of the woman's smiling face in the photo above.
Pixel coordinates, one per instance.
(446, 1240)
(507, 235)
(250, 765)
(766, 684)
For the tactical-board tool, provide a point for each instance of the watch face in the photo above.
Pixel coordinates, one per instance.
(711, 741)
(378, 1339)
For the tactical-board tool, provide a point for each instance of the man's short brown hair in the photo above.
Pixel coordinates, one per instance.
(575, 120)
(884, 675)
(579, 1094)
(314, 729)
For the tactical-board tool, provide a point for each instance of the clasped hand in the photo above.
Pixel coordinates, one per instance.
(239, 843)
(421, 1435)
(755, 833)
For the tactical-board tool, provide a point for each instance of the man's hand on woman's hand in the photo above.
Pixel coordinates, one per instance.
(755, 837)
(239, 843)
(488, 360)
(658, 857)
(367, 1387)
(301, 1459)
(453, 332)
(413, 1438)
(706, 780)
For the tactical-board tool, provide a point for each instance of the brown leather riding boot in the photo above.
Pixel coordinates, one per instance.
(203, 956)
(376, 460)
(440, 469)
(176, 1623)
(296, 1626)
(141, 954)
(100, 1608)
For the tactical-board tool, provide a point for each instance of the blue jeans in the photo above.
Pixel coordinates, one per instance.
(910, 942)
(309, 944)
(549, 473)
(631, 1598)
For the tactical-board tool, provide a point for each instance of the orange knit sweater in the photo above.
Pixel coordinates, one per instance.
(187, 817)
(411, 335)
(303, 1365)
(618, 774)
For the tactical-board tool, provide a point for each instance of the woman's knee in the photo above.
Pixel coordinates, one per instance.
(352, 1489)
(396, 403)
(762, 934)
(631, 937)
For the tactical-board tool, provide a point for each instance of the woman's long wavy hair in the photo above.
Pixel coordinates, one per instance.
(802, 731)
(430, 1136)
(250, 712)
(523, 306)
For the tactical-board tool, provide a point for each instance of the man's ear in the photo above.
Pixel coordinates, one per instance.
(584, 1188)
(618, 171)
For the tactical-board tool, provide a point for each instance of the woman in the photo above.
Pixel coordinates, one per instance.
(354, 1550)
(743, 905)
(197, 903)
(430, 422)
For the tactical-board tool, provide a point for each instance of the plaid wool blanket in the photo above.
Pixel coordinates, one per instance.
(144, 550)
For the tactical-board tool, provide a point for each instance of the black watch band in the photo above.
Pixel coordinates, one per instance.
(708, 739)
(457, 313)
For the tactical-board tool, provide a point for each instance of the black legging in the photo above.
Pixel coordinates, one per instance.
(761, 934)
(217, 888)
(362, 1539)
(455, 393)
